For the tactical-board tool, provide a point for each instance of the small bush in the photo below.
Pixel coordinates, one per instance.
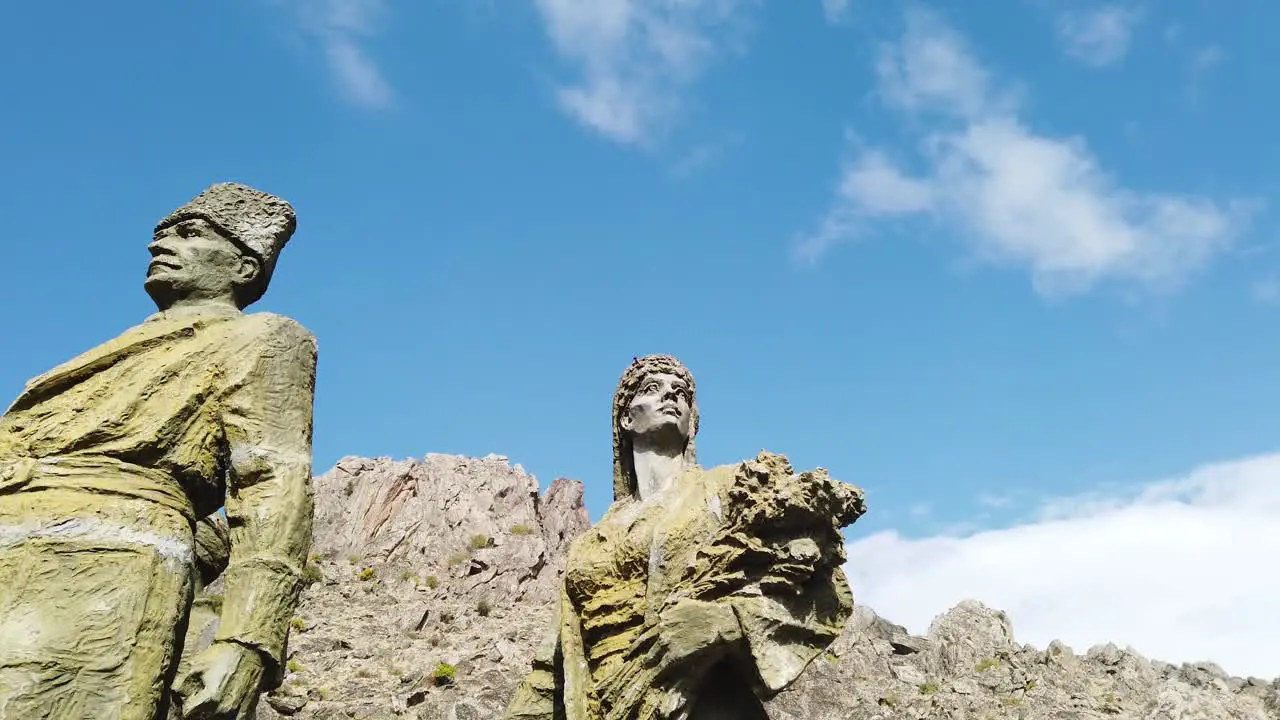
(459, 558)
(521, 530)
(483, 608)
(987, 664)
(293, 666)
(353, 559)
(366, 574)
(478, 541)
(929, 688)
(298, 624)
(444, 674)
(312, 574)
(431, 582)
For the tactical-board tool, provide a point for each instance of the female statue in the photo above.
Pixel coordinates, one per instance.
(700, 593)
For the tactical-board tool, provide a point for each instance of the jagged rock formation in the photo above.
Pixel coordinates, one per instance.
(437, 581)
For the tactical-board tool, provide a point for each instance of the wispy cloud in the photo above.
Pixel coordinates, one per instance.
(635, 57)
(835, 10)
(1202, 62)
(341, 26)
(1098, 36)
(1017, 196)
(703, 156)
(1168, 568)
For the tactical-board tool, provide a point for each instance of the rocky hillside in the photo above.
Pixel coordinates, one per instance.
(434, 577)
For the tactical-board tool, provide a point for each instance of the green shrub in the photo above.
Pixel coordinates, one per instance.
(521, 530)
(366, 574)
(478, 541)
(311, 573)
(444, 674)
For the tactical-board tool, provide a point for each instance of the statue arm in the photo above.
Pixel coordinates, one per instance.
(559, 687)
(535, 696)
(268, 421)
(783, 634)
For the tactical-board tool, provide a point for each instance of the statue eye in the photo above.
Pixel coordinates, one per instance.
(651, 387)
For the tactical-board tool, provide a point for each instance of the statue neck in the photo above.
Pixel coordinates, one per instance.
(657, 467)
(200, 306)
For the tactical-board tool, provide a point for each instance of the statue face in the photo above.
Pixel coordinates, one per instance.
(661, 407)
(192, 261)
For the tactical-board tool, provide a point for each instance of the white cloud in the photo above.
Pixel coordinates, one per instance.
(835, 10)
(339, 25)
(1099, 36)
(1182, 570)
(1017, 196)
(635, 57)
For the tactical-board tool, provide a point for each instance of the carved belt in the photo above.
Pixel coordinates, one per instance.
(97, 474)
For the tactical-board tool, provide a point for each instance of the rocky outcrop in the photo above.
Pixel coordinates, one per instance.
(434, 585)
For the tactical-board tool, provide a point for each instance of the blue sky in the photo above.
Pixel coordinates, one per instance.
(978, 258)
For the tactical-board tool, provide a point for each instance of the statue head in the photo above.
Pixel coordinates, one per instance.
(223, 244)
(656, 400)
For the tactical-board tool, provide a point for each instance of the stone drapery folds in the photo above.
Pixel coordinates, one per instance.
(108, 461)
(752, 551)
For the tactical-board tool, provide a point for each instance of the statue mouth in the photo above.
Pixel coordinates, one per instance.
(671, 410)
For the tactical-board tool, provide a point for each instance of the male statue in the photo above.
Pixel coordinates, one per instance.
(107, 462)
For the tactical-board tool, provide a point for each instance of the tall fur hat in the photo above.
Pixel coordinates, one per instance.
(259, 221)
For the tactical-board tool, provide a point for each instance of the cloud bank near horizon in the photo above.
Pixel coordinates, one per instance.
(1180, 570)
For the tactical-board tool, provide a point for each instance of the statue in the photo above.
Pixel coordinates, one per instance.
(212, 553)
(108, 461)
(700, 593)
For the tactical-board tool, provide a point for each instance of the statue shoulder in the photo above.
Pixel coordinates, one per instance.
(275, 330)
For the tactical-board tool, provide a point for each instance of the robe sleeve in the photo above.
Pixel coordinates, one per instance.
(535, 696)
(559, 686)
(268, 420)
(784, 634)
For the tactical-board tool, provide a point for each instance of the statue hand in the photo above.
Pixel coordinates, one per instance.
(692, 629)
(222, 684)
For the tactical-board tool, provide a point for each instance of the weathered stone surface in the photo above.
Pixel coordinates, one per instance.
(479, 523)
(350, 658)
(108, 460)
(700, 593)
(442, 561)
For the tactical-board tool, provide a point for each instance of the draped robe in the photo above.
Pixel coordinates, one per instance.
(106, 462)
(603, 664)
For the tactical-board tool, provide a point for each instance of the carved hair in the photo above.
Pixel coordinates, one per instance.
(625, 484)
